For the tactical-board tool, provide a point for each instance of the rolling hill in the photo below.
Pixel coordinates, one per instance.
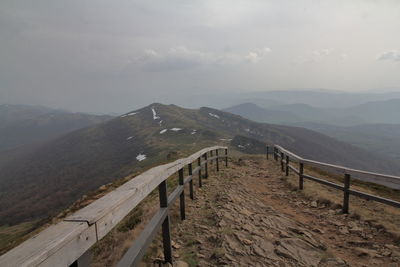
(52, 176)
(380, 138)
(377, 111)
(256, 113)
(293, 114)
(25, 125)
(347, 124)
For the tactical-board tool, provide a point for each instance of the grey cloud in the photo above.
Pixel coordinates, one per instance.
(393, 55)
(102, 56)
(183, 58)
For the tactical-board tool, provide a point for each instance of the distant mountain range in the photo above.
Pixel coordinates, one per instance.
(368, 113)
(374, 126)
(25, 125)
(320, 98)
(317, 98)
(383, 139)
(53, 175)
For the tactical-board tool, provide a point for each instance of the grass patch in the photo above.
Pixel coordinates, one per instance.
(133, 219)
(11, 236)
(190, 257)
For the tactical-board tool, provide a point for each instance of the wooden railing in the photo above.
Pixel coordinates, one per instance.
(68, 242)
(286, 157)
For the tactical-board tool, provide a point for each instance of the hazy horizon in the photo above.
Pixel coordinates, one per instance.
(91, 56)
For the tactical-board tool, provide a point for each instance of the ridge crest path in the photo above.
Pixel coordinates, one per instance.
(246, 215)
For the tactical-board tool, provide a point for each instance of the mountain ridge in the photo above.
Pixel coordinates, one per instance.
(25, 125)
(57, 173)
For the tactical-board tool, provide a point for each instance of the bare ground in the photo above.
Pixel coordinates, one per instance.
(250, 214)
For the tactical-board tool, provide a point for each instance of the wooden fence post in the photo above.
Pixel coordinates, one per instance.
(182, 196)
(226, 157)
(216, 153)
(287, 165)
(211, 155)
(267, 152)
(199, 163)
(346, 193)
(275, 156)
(206, 165)
(282, 167)
(162, 190)
(191, 191)
(301, 179)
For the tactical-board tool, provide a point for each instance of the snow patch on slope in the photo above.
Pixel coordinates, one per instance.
(176, 129)
(155, 117)
(213, 115)
(129, 114)
(141, 157)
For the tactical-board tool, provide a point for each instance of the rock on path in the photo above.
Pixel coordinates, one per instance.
(232, 222)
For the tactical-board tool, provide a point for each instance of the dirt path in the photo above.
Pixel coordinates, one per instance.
(248, 215)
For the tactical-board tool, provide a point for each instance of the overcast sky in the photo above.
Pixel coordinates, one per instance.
(113, 56)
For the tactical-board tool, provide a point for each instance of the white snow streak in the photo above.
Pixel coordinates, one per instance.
(141, 157)
(163, 131)
(129, 138)
(155, 117)
(176, 129)
(213, 115)
(129, 114)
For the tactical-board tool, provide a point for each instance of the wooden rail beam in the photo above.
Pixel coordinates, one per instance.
(286, 156)
(67, 242)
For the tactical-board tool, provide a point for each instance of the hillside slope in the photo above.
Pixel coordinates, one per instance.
(256, 113)
(383, 139)
(378, 111)
(22, 125)
(57, 173)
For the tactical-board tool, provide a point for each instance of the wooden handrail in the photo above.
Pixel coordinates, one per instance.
(286, 157)
(64, 243)
(379, 178)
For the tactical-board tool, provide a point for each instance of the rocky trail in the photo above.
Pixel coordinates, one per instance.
(249, 215)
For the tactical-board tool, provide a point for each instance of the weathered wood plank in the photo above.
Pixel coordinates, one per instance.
(58, 245)
(63, 243)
